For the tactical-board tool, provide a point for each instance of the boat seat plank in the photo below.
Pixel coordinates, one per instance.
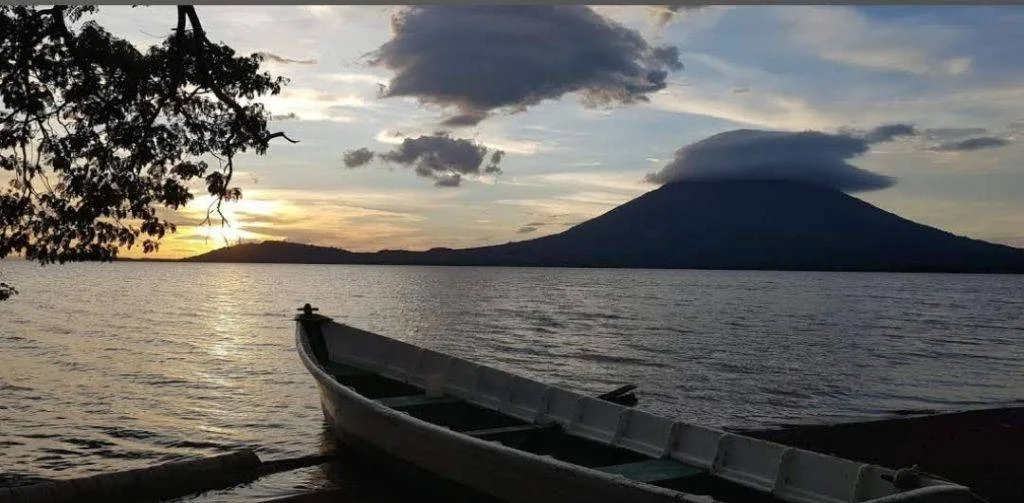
(404, 402)
(652, 470)
(341, 370)
(507, 429)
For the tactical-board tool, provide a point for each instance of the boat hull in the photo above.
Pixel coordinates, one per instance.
(488, 467)
(780, 472)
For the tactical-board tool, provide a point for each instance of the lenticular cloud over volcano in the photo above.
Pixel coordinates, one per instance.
(749, 154)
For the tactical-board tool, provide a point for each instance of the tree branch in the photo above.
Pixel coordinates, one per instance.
(57, 13)
(279, 134)
(200, 39)
(82, 113)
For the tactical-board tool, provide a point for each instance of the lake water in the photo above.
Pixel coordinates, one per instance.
(113, 366)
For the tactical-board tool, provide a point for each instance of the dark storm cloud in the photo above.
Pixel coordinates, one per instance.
(976, 143)
(278, 59)
(478, 59)
(439, 157)
(747, 154)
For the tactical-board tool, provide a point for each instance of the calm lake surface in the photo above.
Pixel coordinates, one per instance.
(114, 366)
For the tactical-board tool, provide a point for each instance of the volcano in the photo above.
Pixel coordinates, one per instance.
(705, 225)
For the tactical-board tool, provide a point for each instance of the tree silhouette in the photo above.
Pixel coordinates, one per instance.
(98, 137)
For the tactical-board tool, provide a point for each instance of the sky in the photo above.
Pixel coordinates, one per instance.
(590, 107)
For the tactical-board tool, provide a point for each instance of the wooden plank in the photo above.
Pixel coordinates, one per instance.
(652, 470)
(404, 402)
(507, 429)
(341, 370)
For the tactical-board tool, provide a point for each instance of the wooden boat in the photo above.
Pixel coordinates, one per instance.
(520, 440)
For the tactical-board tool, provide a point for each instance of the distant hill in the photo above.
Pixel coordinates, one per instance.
(278, 251)
(705, 225)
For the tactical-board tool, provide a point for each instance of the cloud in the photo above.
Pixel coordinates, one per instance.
(439, 157)
(479, 59)
(747, 154)
(290, 116)
(285, 61)
(465, 119)
(357, 158)
(619, 182)
(889, 132)
(389, 136)
(761, 109)
(569, 208)
(946, 134)
(956, 66)
(447, 179)
(496, 158)
(315, 105)
(665, 14)
(530, 227)
(352, 78)
(514, 146)
(976, 143)
(844, 35)
(491, 138)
